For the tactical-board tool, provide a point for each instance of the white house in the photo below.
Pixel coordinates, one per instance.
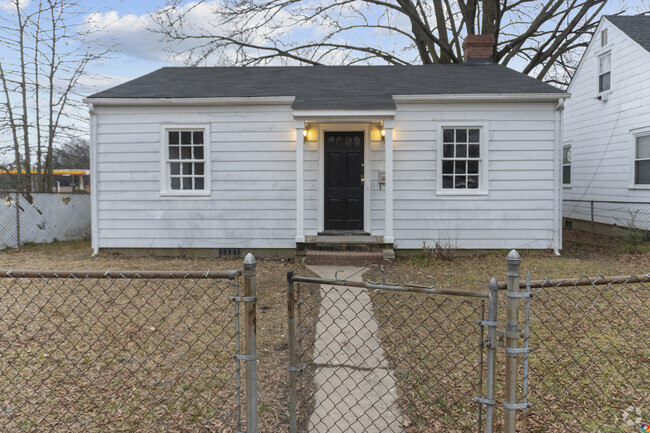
(607, 125)
(269, 159)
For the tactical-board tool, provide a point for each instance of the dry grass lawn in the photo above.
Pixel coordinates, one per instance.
(591, 352)
(425, 413)
(149, 391)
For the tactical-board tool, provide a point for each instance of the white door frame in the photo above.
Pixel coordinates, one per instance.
(367, 170)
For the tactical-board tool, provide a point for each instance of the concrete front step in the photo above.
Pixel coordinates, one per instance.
(344, 258)
(342, 243)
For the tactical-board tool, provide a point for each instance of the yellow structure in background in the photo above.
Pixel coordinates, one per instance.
(58, 172)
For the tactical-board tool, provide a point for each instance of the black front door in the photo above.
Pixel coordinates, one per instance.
(343, 180)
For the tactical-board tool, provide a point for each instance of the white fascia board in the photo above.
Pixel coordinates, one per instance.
(121, 102)
(343, 115)
(485, 97)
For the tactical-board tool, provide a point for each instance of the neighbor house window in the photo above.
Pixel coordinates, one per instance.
(566, 164)
(642, 160)
(186, 160)
(462, 159)
(604, 72)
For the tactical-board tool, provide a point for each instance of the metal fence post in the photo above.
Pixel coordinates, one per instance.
(293, 426)
(250, 272)
(17, 219)
(593, 240)
(512, 341)
(491, 354)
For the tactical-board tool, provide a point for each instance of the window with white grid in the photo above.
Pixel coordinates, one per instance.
(186, 168)
(461, 164)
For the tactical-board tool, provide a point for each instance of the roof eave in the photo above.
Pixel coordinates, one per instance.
(256, 100)
(486, 97)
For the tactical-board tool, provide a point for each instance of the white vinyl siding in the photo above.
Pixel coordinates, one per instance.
(251, 203)
(516, 210)
(602, 132)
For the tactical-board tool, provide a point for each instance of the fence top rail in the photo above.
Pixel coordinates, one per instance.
(410, 288)
(583, 281)
(190, 275)
(608, 201)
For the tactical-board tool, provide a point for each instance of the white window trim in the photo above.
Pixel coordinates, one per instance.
(484, 163)
(567, 144)
(165, 189)
(634, 133)
(600, 53)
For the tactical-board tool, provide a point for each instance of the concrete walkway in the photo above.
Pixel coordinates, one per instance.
(356, 392)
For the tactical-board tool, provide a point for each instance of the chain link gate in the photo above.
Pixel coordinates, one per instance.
(381, 357)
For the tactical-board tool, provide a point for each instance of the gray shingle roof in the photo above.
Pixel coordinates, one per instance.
(323, 87)
(636, 27)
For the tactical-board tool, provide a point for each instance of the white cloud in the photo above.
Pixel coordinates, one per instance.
(132, 34)
(10, 5)
(129, 34)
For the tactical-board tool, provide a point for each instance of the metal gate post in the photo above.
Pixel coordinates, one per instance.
(512, 341)
(491, 354)
(291, 311)
(250, 272)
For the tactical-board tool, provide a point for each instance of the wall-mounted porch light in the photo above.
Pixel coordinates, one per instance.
(305, 132)
(383, 134)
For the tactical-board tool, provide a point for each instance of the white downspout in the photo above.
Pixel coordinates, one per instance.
(557, 178)
(94, 233)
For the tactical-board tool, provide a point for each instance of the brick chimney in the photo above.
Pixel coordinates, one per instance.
(478, 48)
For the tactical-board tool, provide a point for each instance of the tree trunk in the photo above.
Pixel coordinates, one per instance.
(23, 90)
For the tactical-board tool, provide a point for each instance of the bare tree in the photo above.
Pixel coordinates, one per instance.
(538, 37)
(52, 52)
(73, 154)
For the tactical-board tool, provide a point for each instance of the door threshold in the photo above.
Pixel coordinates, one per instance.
(343, 233)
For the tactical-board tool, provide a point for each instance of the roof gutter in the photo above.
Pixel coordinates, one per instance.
(142, 102)
(486, 97)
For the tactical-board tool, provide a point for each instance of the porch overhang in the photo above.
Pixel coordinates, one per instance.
(303, 117)
(341, 116)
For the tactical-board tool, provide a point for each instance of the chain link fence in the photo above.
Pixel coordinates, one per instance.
(589, 368)
(43, 217)
(632, 215)
(123, 351)
(384, 358)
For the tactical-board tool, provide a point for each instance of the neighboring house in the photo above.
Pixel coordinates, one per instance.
(274, 158)
(607, 126)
